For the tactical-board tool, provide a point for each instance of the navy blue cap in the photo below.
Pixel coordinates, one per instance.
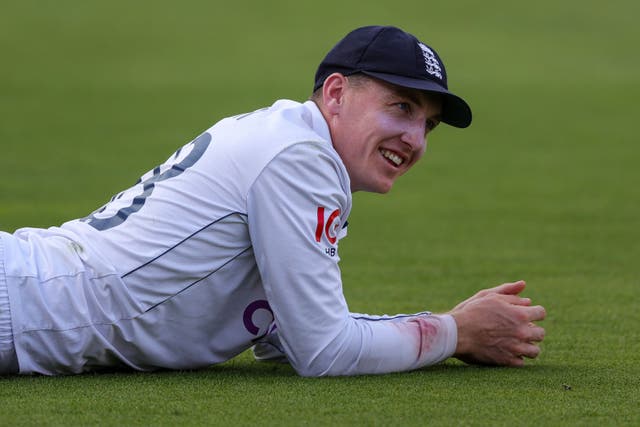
(395, 56)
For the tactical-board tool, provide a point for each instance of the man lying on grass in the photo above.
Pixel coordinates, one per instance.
(232, 243)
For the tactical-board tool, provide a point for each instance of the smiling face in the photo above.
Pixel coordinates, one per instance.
(379, 129)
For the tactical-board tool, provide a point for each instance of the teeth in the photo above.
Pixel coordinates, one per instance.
(393, 157)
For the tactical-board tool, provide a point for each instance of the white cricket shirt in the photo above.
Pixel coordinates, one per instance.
(232, 241)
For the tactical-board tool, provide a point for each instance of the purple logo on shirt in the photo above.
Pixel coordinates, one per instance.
(248, 317)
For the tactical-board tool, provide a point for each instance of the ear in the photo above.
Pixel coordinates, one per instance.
(333, 92)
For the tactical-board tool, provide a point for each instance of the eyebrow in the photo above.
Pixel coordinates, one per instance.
(412, 95)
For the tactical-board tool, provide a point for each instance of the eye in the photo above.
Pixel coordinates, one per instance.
(404, 106)
(431, 124)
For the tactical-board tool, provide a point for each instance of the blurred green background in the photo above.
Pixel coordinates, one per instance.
(544, 186)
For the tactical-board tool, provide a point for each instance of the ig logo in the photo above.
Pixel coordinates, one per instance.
(329, 227)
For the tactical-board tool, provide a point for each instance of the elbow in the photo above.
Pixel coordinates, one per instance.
(331, 360)
(313, 369)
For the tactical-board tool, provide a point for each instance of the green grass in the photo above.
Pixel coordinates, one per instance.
(544, 186)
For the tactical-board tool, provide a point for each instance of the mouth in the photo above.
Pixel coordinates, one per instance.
(392, 157)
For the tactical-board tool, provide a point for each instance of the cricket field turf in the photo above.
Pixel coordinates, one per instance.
(544, 186)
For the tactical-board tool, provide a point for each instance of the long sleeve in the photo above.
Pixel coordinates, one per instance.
(297, 209)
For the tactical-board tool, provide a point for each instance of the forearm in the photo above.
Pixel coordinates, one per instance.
(366, 346)
(407, 343)
(388, 344)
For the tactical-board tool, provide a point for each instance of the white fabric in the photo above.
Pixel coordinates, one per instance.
(6, 335)
(231, 242)
(8, 361)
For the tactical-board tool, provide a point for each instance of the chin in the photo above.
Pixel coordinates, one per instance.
(381, 188)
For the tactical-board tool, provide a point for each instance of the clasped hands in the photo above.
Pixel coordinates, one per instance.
(497, 327)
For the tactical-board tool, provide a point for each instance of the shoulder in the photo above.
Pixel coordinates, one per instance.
(304, 179)
(273, 128)
(289, 136)
(311, 164)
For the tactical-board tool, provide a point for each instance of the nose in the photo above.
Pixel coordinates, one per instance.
(415, 136)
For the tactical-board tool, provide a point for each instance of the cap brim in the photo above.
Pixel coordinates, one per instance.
(455, 111)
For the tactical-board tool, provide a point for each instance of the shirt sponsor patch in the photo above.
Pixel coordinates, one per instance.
(328, 226)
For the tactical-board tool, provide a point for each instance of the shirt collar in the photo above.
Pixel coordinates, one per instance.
(318, 123)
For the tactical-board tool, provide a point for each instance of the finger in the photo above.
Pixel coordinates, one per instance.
(516, 361)
(509, 288)
(528, 350)
(516, 300)
(535, 313)
(535, 333)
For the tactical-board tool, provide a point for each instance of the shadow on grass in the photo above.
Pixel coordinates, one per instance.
(243, 368)
(231, 368)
